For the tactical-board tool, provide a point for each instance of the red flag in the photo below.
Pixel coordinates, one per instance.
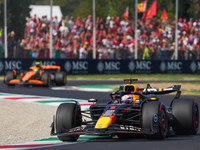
(164, 15)
(125, 15)
(142, 7)
(151, 11)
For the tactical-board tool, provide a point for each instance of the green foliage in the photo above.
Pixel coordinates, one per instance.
(193, 10)
(17, 11)
(83, 9)
(187, 8)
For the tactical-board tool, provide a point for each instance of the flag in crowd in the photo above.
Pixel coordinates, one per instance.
(142, 7)
(164, 15)
(149, 13)
(126, 13)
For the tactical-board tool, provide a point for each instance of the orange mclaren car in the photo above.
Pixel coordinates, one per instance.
(44, 76)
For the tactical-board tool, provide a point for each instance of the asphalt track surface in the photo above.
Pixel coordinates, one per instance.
(128, 143)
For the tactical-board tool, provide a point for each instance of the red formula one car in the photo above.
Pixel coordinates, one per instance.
(43, 76)
(130, 110)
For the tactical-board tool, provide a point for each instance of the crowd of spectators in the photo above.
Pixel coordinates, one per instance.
(73, 38)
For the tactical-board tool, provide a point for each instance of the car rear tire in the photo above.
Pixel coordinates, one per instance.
(68, 116)
(186, 116)
(60, 78)
(10, 76)
(46, 79)
(149, 109)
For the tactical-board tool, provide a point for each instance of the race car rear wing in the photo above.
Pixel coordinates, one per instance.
(160, 91)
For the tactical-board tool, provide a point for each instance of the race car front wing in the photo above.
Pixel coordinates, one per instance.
(112, 129)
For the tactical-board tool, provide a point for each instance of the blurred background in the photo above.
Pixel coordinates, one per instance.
(28, 29)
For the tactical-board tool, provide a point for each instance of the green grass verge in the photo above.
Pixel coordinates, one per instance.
(138, 76)
(196, 92)
(190, 92)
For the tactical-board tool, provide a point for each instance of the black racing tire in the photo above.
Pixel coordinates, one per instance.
(68, 116)
(186, 116)
(10, 76)
(46, 79)
(60, 78)
(149, 109)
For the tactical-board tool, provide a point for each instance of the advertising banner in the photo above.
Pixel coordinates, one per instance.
(90, 66)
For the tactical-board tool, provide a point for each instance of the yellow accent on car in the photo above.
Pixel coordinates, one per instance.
(103, 122)
(132, 88)
(160, 89)
(36, 69)
(37, 63)
(153, 98)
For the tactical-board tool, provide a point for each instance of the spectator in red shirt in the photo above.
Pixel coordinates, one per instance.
(117, 21)
(78, 23)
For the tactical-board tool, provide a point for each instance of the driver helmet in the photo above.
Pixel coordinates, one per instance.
(127, 98)
(37, 64)
(36, 70)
